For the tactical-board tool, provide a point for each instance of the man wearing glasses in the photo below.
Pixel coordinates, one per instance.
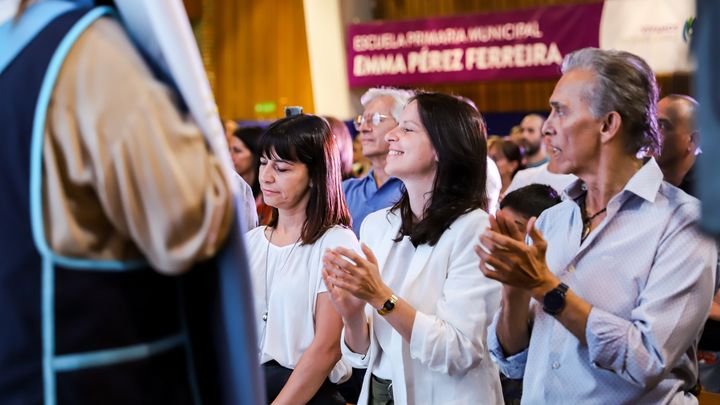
(377, 190)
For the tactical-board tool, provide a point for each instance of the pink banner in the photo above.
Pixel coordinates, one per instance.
(524, 44)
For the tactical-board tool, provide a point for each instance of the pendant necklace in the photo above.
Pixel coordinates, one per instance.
(277, 272)
(587, 220)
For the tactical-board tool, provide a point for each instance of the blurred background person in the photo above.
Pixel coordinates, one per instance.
(680, 140)
(377, 190)
(298, 329)
(415, 308)
(680, 150)
(245, 156)
(344, 143)
(509, 160)
(531, 139)
(243, 151)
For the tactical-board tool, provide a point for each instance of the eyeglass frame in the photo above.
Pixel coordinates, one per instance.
(376, 119)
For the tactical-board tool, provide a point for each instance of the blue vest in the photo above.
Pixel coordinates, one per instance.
(76, 331)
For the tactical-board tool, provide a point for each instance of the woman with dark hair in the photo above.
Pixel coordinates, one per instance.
(414, 309)
(244, 154)
(246, 158)
(299, 331)
(508, 157)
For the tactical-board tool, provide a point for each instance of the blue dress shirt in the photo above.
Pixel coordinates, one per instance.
(649, 275)
(363, 197)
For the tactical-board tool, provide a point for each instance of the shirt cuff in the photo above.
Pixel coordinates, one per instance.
(606, 336)
(355, 360)
(512, 366)
(421, 331)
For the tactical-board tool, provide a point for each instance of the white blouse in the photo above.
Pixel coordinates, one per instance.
(286, 281)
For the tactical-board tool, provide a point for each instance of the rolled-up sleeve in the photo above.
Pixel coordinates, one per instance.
(356, 360)
(670, 313)
(513, 366)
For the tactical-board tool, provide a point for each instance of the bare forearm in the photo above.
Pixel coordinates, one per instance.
(574, 316)
(357, 334)
(309, 374)
(513, 329)
(402, 319)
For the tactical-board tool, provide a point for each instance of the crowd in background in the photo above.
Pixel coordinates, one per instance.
(418, 182)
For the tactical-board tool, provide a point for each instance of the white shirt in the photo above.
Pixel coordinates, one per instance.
(446, 360)
(400, 255)
(493, 185)
(540, 175)
(293, 282)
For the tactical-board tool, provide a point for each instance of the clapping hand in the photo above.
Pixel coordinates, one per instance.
(359, 276)
(506, 257)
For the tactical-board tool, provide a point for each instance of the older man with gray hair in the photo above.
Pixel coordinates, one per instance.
(606, 305)
(377, 190)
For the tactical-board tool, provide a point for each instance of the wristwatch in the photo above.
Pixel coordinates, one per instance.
(554, 300)
(388, 306)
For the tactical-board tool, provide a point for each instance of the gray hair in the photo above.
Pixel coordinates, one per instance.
(400, 98)
(624, 83)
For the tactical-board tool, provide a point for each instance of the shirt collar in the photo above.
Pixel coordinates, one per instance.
(645, 183)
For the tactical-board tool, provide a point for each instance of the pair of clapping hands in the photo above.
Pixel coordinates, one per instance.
(353, 280)
(507, 258)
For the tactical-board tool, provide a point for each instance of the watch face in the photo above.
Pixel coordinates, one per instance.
(553, 302)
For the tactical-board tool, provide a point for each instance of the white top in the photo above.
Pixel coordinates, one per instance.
(493, 185)
(446, 360)
(540, 175)
(294, 280)
(400, 255)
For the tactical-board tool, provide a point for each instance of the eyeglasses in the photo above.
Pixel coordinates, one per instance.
(374, 120)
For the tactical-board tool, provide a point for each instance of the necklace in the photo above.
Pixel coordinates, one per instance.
(277, 272)
(587, 220)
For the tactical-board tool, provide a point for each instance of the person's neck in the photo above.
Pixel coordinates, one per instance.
(378, 169)
(419, 192)
(506, 180)
(611, 177)
(675, 172)
(289, 226)
(538, 157)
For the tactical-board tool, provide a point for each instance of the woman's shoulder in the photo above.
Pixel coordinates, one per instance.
(338, 233)
(253, 235)
(381, 217)
(472, 218)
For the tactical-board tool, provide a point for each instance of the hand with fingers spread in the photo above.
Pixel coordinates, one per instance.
(346, 270)
(506, 257)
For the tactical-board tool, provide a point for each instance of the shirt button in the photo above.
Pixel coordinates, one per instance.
(555, 365)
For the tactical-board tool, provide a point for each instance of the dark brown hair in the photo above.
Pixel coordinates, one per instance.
(457, 135)
(307, 139)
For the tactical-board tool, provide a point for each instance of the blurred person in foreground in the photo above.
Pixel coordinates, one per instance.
(110, 194)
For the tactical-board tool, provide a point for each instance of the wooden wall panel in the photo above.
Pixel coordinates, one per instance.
(497, 96)
(256, 51)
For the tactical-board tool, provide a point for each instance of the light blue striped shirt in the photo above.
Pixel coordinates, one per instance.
(649, 275)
